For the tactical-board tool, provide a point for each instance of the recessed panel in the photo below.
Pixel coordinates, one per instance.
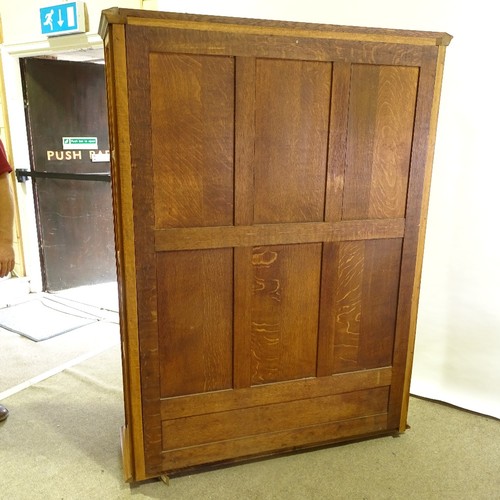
(195, 321)
(291, 127)
(192, 116)
(364, 305)
(284, 312)
(380, 131)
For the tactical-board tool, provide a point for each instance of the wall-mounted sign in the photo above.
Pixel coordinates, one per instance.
(79, 143)
(63, 19)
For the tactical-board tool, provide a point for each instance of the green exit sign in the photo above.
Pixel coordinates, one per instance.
(79, 142)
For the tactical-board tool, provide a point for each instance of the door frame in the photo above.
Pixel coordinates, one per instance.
(17, 130)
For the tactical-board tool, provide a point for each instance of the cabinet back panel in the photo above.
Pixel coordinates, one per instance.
(271, 181)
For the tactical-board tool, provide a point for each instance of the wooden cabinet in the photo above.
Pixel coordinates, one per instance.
(270, 185)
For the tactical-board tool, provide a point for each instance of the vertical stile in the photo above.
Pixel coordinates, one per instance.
(243, 215)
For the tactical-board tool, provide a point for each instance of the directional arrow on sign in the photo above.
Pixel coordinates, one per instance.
(62, 19)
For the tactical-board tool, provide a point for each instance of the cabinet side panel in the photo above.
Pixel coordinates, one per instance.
(381, 116)
(192, 114)
(195, 293)
(426, 114)
(292, 116)
(119, 137)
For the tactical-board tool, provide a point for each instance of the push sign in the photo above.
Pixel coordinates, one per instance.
(63, 19)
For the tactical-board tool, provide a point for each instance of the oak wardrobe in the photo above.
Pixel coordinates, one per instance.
(270, 190)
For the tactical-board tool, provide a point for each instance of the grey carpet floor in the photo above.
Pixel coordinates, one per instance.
(61, 441)
(22, 359)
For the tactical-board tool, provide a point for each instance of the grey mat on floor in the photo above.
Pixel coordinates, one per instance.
(42, 318)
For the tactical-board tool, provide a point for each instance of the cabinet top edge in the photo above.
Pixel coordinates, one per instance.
(116, 15)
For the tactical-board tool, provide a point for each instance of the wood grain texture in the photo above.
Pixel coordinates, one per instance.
(192, 114)
(195, 321)
(291, 137)
(270, 201)
(244, 147)
(413, 247)
(381, 116)
(348, 305)
(226, 426)
(232, 24)
(337, 146)
(359, 300)
(382, 268)
(276, 234)
(433, 68)
(284, 312)
(232, 451)
(243, 291)
(298, 30)
(281, 392)
(140, 146)
(121, 181)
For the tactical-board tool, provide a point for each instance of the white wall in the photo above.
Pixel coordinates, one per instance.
(21, 18)
(458, 336)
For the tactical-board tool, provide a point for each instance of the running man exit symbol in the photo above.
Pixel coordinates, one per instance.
(63, 19)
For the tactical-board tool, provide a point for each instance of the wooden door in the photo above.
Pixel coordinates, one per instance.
(74, 214)
(270, 262)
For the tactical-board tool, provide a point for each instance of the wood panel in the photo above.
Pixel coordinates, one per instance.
(230, 451)
(276, 234)
(348, 305)
(277, 228)
(244, 144)
(382, 268)
(274, 28)
(381, 114)
(192, 102)
(358, 305)
(227, 425)
(413, 246)
(337, 145)
(119, 137)
(186, 41)
(142, 183)
(291, 137)
(284, 312)
(281, 392)
(195, 295)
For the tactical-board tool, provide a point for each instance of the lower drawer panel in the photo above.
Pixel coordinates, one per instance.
(272, 443)
(271, 428)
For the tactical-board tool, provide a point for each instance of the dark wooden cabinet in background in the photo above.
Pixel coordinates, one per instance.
(270, 185)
